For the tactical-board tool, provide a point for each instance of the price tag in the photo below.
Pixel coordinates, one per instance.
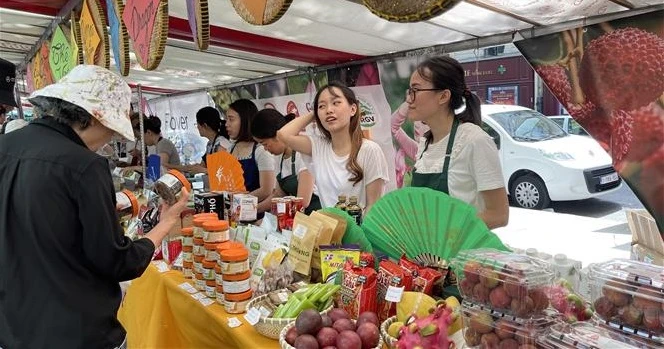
(233, 322)
(187, 287)
(252, 316)
(394, 294)
(264, 311)
(162, 266)
(198, 296)
(283, 297)
(281, 207)
(205, 301)
(299, 231)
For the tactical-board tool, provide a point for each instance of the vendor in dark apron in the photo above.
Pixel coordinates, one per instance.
(289, 185)
(437, 181)
(251, 173)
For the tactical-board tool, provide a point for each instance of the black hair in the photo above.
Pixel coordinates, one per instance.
(247, 110)
(289, 117)
(153, 124)
(446, 73)
(63, 112)
(266, 123)
(211, 117)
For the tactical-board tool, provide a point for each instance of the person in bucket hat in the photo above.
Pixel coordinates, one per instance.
(7, 82)
(62, 250)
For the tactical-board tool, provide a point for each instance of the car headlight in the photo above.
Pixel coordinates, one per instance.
(557, 155)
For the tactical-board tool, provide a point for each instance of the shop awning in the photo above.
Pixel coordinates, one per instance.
(312, 33)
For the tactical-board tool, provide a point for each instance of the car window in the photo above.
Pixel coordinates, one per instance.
(492, 133)
(574, 128)
(527, 125)
(558, 121)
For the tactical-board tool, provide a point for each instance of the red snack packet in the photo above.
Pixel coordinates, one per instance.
(423, 278)
(358, 290)
(410, 268)
(389, 274)
(367, 260)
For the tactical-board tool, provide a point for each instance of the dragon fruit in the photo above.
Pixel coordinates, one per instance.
(428, 332)
(568, 303)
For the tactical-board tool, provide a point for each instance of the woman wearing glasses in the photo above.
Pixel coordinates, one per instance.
(456, 156)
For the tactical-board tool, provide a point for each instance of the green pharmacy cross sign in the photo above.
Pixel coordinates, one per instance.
(60, 58)
(501, 69)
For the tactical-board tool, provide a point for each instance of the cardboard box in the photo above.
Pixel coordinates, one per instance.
(646, 255)
(644, 230)
(210, 202)
(244, 208)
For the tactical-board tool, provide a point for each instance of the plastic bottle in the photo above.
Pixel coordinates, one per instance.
(354, 210)
(341, 203)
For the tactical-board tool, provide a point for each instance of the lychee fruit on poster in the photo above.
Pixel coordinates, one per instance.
(610, 79)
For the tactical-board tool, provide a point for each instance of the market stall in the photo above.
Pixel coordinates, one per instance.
(420, 268)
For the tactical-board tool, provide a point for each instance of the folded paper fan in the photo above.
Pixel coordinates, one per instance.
(147, 26)
(408, 10)
(427, 225)
(354, 233)
(199, 22)
(94, 34)
(224, 172)
(261, 12)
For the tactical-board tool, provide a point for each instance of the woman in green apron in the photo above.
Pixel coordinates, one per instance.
(455, 156)
(293, 178)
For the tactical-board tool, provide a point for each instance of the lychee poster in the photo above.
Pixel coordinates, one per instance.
(610, 78)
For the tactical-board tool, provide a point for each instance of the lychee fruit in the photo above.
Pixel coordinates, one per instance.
(481, 293)
(631, 315)
(621, 135)
(471, 271)
(594, 120)
(481, 323)
(472, 338)
(539, 298)
(499, 298)
(555, 78)
(647, 131)
(489, 277)
(651, 319)
(604, 308)
(489, 341)
(508, 343)
(623, 69)
(523, 308)
(466, 286)
(515, 288)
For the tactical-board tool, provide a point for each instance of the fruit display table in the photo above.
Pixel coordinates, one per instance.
(158, 313)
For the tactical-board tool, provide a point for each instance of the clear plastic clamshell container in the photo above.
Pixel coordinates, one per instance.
(507, 282)
(488, 329)
(588, 336)
(629, 296)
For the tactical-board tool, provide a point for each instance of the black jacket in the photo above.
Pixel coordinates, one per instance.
(62, 250)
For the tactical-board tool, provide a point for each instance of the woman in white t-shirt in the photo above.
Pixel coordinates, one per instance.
(456, 156)
(342, 161)
(293, 177)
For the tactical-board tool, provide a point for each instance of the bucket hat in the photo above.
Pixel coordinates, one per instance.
(100, 92)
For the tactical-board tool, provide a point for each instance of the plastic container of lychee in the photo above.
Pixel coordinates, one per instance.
(629, 296)
(485, 328)
(588, 336)
(507, 282)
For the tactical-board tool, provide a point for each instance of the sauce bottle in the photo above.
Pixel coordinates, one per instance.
(354, 210)
(341, 203)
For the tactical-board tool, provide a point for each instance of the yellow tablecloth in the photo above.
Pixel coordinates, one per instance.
(158, 314)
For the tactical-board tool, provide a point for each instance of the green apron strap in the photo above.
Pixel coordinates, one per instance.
(448, 155)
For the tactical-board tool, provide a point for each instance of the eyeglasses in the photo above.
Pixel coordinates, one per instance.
(412, 91)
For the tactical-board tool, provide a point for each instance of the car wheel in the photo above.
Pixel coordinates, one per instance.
(530, 192)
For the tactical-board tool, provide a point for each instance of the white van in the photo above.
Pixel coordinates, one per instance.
(542, 163)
